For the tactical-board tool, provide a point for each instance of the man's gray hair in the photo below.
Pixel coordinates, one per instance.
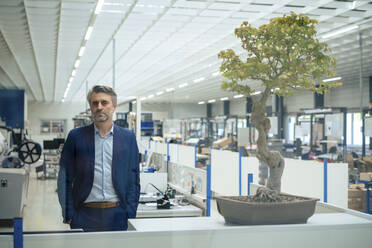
(102, 89)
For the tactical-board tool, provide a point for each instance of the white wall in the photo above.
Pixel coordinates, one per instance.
(60, 111)
(305, 99)
(174, 110)
(159, 114)
(217, 108)
(238, 107)
(123, 107)
(348, 96)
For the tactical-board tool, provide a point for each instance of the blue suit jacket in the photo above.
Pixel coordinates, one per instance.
(76, 173)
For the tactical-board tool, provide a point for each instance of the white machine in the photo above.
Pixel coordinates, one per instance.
(14, 175)
(13, 191)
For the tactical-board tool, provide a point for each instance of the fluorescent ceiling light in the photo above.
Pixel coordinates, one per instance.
(353, 5)
(68, 85)
(256, 93)
(159, 93)
(340, 31)
(212, 101)
(63, 99)
(70, 79)
(331, 79)
(317, 111)
(275, 89)
(199, 80)
(99, 7)
(202, 102)
(89, 33)
(183, 85)
(143, 98)
(73, 72)
(77, 63)
(170, 89)
(115, 4)
(150, 96)
(215, 74)
(238, 96)
(81, 52)
(224, 99)
(113, 11)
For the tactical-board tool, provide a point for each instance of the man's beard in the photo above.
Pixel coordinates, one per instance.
(102, 116)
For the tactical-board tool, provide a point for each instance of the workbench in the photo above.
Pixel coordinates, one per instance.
(150, 211)
(329, 227)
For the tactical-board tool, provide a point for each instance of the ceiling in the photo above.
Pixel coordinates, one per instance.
(159, 44)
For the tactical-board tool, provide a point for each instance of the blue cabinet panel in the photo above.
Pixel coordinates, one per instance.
(12, 104)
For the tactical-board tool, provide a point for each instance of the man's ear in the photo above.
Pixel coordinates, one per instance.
(115, 105)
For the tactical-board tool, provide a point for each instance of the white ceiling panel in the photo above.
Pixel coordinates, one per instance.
(159, 43)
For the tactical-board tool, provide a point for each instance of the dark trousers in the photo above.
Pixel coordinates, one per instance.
(100, 219)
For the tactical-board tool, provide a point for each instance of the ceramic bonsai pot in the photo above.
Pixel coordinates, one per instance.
(242, 210)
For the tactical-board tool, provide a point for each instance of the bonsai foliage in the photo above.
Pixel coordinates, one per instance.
(285, 56)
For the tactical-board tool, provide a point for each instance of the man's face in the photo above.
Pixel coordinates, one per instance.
(102, 107)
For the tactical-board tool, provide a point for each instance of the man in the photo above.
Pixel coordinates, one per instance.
(98, 181)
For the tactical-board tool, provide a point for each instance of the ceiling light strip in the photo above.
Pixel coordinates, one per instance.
(332, 79)
(99, 7)
(238, 96)
(340, 31)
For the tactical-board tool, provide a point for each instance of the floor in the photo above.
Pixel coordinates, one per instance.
(42, 211)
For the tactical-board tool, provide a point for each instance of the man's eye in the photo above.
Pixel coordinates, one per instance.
(104, 102)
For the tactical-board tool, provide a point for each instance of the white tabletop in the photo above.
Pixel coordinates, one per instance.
(214, 223)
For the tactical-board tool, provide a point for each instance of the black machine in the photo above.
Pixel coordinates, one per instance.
(28, 151)
(164, 203)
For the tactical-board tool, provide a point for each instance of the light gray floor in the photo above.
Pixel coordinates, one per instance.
(43, 212)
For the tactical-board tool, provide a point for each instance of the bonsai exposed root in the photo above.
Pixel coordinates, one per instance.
(264, 194)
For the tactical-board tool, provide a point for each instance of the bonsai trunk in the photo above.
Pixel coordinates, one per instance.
(271, 158)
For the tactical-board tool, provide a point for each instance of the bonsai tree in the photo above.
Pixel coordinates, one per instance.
(285, 56)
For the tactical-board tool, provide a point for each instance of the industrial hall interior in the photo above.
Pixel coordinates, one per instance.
(185, 123)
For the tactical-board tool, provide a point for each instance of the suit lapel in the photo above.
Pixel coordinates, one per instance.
(120, 149)
(91, 148)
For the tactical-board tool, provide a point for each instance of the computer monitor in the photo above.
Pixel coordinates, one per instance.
(59, 141)
(50, 144)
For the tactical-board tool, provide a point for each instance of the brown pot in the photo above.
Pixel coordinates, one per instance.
(240, 212)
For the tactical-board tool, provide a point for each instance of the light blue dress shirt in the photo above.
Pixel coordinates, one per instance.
(103, 189)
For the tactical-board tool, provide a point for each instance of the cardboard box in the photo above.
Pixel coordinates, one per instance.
(368, 159)
(205, 150)
(357, 186)
(355, 193)
(366, 176)
(357, 198)
(356, 204)
(367, 164)
(223, 142)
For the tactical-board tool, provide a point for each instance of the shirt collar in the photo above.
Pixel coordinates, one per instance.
(96, 131)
